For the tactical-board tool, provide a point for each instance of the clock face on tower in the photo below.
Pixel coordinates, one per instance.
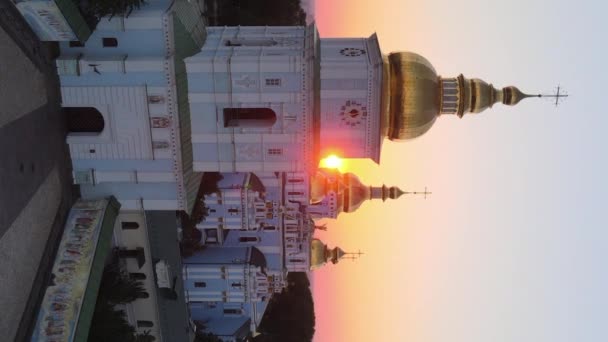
(352, 52)
(352, 114)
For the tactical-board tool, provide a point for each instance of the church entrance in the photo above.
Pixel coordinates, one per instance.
(84, 120)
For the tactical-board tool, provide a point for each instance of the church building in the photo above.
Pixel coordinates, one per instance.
(156, 99)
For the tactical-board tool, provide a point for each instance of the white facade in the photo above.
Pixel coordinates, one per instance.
(131, 233)
(268, 70)
(351, 86)
(120, 91)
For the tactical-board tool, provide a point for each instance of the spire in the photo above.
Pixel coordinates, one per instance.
(461, 95)
(338, 254)
(352, 255)
(393, 192)
(320, 254)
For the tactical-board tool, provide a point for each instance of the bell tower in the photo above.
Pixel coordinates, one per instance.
(351, 101)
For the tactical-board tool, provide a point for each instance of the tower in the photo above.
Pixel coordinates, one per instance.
(320, 254)
(333, 193)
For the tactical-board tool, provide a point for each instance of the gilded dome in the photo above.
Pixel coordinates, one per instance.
(318, 254)
(414, 95)
(355, 192)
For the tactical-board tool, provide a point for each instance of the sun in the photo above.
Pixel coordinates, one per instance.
(331, 162)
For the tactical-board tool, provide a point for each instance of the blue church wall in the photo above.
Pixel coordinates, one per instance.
(225, 152)
(274, 261)
(230, 179)
(165, 191)
(157, 165)
(206, 82)
(205, 151)
(265, 238)
(148, 42)
(205, 311)
(227, 326)
(210, 284)
(219, 256)
(151, 79)
(204, 117)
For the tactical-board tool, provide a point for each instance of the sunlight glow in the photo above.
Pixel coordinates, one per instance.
(331, 162)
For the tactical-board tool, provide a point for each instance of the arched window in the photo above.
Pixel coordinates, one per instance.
(249, 239)
(249, 117)
(145, 324)
(84, 120)
(109, 42)
(138, 276)
(232, 311)
(129, 225)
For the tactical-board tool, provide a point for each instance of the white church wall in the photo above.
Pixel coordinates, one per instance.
(351, 80)
(249, 68)
(126, 133)
(142, 309)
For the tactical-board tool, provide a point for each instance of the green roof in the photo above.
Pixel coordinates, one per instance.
(189, 36)
(101, 253)
(72, 15)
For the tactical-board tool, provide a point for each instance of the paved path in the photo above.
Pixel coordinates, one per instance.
(35, 181)
(33, 222)
(19, 80)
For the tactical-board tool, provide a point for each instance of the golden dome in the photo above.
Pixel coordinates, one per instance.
(323, 182)
(355, 192)
(320, 254)
(414, 95)
(349, 191)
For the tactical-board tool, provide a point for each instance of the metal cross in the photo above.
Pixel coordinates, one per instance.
(559, 94)
(353, 256)
(421, 193)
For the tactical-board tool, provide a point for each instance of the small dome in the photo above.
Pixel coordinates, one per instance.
(355, 192)
(318, 254)
(414, 95)
(318, 188)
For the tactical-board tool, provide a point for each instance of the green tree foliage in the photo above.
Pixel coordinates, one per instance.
(109, 323)
(290, 316)
(257, 13)
(102, 8)
(206, 337)
(117, 287)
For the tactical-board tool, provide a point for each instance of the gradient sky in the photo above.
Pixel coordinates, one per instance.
(513, 243)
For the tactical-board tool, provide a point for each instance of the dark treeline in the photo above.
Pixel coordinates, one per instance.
(290, 316)
(255, 13)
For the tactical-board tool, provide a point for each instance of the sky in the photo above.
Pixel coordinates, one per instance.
(512, 245)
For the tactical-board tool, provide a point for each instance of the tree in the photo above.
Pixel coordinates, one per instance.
(258, 13)
(109, 323)
(206, 337)
(103, 8)
(117, 287)
(290, 316)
